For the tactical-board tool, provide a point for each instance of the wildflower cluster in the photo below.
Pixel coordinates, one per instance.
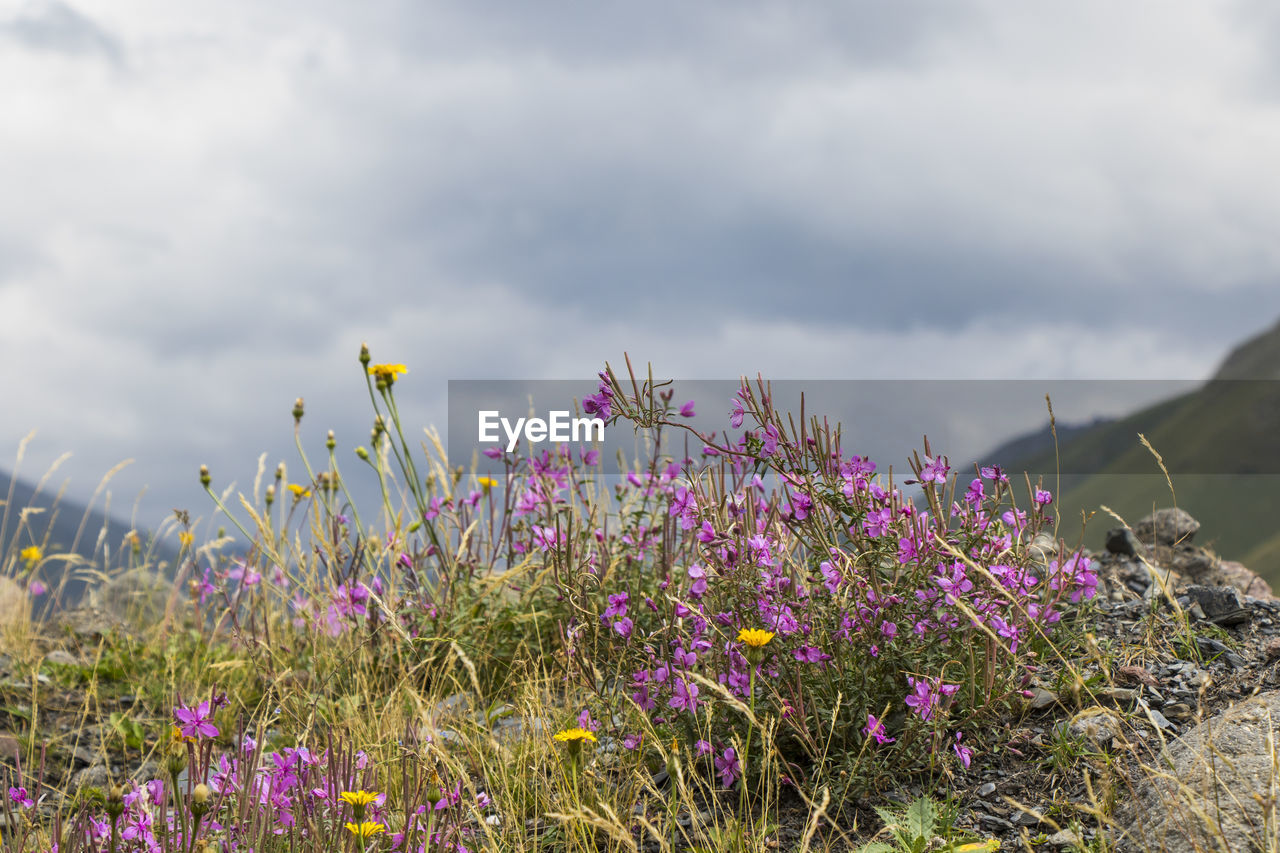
(878, 622)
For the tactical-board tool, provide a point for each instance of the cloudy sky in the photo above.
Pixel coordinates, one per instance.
(207, 207)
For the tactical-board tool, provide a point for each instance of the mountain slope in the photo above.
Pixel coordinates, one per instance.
(1220, 444)
(62, 525)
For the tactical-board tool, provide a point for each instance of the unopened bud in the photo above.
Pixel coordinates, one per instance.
(200, 800)
(271, 495)
(363, 453)
(297, 410)
(115, 801)
(280, 471)
(329, 441)
(205, 479)
(364, 354)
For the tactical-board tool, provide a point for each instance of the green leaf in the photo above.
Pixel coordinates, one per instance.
(876, 847)
(921, 818)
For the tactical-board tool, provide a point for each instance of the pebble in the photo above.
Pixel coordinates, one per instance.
(987, 789)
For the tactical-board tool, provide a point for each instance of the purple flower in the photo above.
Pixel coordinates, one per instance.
(195, 722)
(935, 470)
(1043, 498)
(36, 589)
(686, 411)
(493, 452)
(735, 417)
(631, 741)
(617, 606)
(686, 696)
(770, 445)
(20, 797)
(727, 766)
(875, 729)
(966, 754)
(995, 472)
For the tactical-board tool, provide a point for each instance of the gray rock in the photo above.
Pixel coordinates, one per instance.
(1063, 838)
(62, 658)
(1121, 540)
(1097, 726)
(97, 776)
(987, 789)
(1220, 604)
(1210, 646)
(139, 596)
(453, 706)
(1206, 791)
(1169, 526)
(1041, 699)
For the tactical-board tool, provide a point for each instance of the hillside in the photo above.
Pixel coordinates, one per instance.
(1220, 443)
(67, 526)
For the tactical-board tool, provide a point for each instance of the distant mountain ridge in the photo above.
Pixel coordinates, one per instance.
(65, 526)
(1220, 442)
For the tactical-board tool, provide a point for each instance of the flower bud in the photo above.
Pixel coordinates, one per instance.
(364, 354)
(205, 479)
(329, 441)
(363, 453)
(271, 495)
(200, 800)
(297, 410)
(280, 471)
(115, 801)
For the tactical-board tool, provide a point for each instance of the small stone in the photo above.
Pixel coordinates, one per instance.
(986, 789)
(1120, 540)
(1063, 838)
(1120, 695)
(62, 658)
(1219, 604)
(1041, 699)
(1096, 725)
(1272, 649)
(1170, 526)
(97, 776)
(1137, 673)
(1159, 719)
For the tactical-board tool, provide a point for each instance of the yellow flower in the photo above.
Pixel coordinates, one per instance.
(31, 554)
(755, 637)
(365, 828)
(358, 798)
(387, 372)
(186, 537)
(299, 492)
(176, 736)
(486, 482)
(575, 735)
(978, 847)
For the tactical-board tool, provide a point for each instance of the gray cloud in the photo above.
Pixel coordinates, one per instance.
(51, 25)
(489, 190)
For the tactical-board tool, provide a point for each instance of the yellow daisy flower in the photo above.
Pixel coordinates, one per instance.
(365, 828)
(486, 482)
(299, 492)
(31, 554)
(388, 373)
(574, 735)
(358, 798)
(755, 637)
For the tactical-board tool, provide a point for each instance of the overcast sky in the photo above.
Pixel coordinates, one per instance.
(207, 207)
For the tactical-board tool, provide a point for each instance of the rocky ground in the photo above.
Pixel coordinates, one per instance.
(1182, 650)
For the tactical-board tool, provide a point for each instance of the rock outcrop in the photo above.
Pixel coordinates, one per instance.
(1211, 787)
